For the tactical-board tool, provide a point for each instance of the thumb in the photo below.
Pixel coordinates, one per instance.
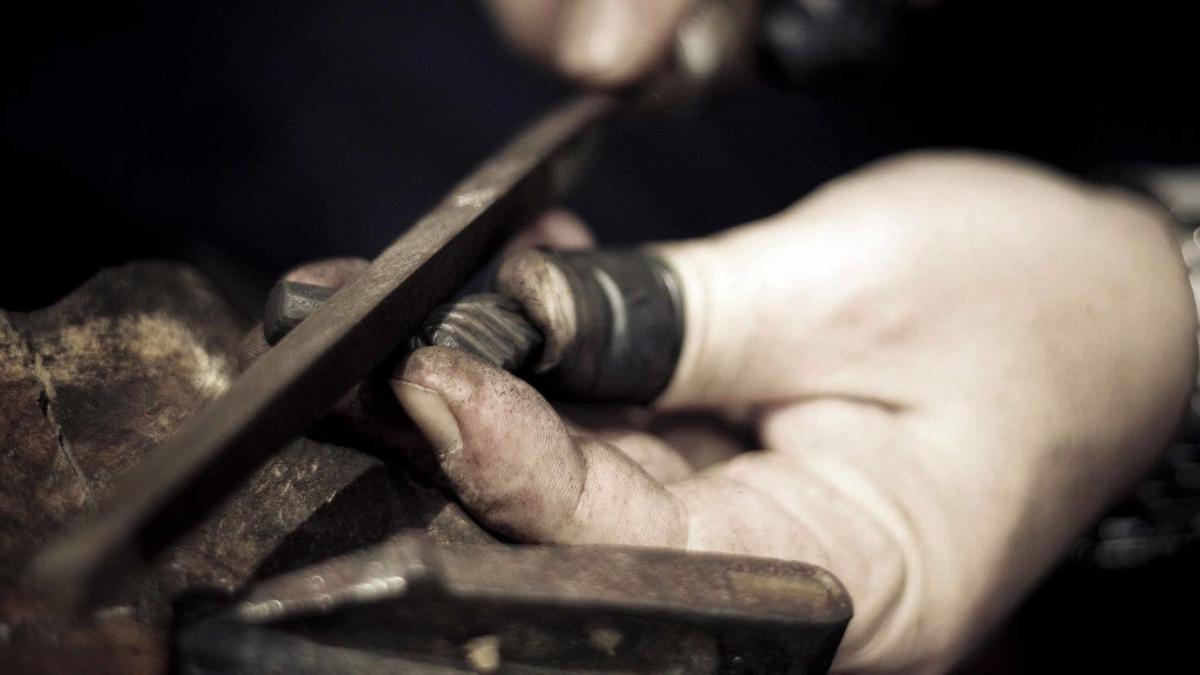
(515, 467)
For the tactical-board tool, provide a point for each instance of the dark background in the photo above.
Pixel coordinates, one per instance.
(247, 137)
(251, 136)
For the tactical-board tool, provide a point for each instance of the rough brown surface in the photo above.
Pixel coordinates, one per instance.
(93, 383)
(40, 489)
(125, 358)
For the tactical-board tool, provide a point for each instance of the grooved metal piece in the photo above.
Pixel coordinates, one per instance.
(291, 386)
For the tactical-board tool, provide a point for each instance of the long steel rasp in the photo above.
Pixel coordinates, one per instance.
(291, 386)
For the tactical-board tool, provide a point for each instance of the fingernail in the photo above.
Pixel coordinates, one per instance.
(432, 416)
(598, 39)
(536, 282)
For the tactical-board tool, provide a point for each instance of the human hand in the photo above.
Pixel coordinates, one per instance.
(951, 363)
(603, 43)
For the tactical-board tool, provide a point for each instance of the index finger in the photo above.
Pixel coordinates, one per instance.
(603, 43)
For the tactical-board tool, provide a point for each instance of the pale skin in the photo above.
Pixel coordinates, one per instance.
(952, 363)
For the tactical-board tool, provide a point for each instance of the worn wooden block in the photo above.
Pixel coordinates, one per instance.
(93, 382)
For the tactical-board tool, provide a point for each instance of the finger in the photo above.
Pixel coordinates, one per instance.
(609, 43)
(531, 26)
(703, 439)
(603, 43)
(625, 427)
(540, 288)
(669, 446)
(512, 462)
(536, 283)
(557, 229)
(655, 456)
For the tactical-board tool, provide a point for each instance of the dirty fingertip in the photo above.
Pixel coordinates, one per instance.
(423, 381)
(445, 370)
(600, 41)
(541, 288)
(428, 410)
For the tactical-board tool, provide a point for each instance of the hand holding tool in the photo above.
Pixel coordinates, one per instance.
(627, 326)
(288, 388)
